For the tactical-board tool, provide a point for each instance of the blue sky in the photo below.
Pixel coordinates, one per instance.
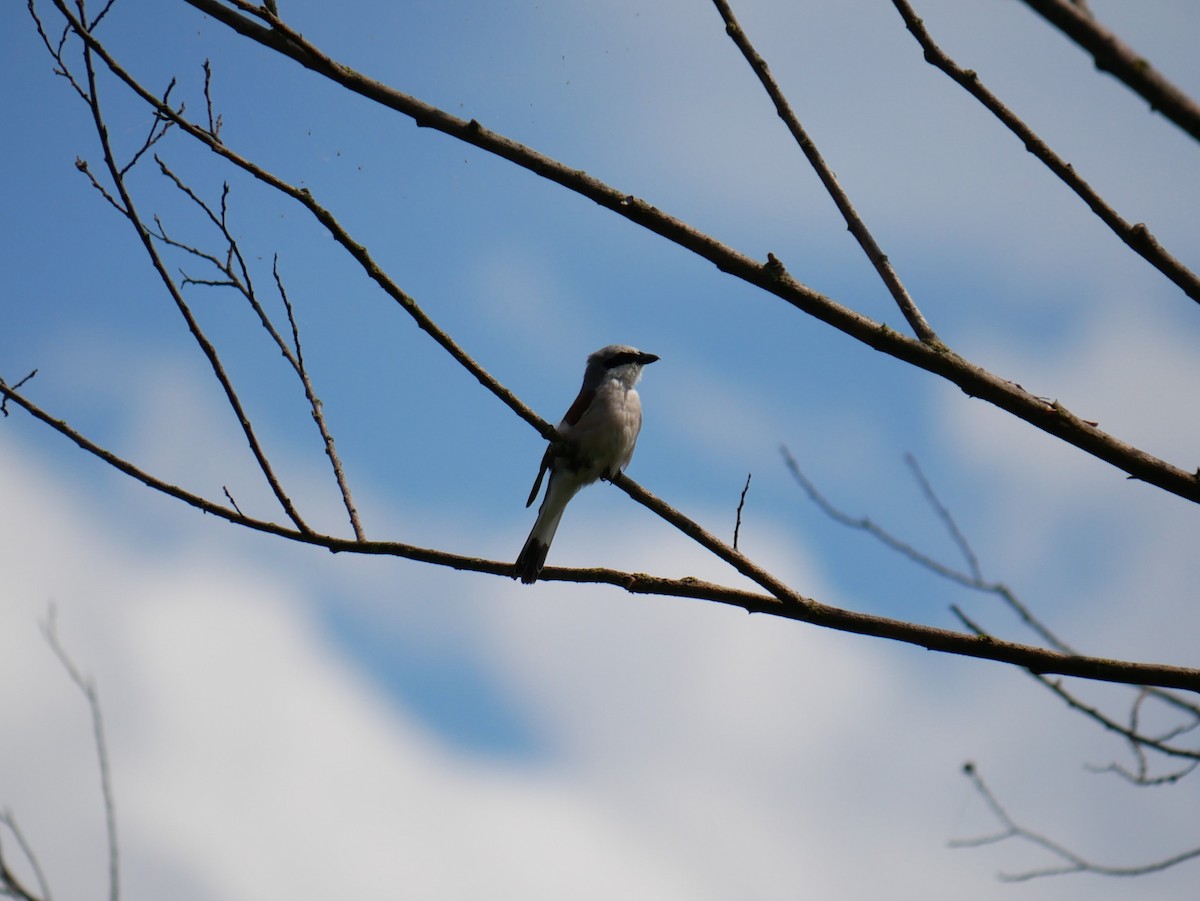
(673, 749)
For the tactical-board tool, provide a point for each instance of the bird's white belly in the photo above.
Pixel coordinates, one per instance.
(607, 433)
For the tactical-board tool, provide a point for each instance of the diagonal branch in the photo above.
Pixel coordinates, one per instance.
(88, 688)
(857, 227)
(315, 405)
(10, 885)
(1136, 236)
(1113, 55)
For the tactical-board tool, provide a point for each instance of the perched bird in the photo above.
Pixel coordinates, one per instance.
(600, 431)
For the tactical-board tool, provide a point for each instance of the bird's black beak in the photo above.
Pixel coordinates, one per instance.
(645, 359)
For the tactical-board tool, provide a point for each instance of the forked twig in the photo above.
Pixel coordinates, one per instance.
(1071, 861)
(235, 273)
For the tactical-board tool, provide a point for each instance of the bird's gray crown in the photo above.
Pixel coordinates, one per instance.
(615, 355)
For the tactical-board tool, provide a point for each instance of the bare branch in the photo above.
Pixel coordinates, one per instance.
(159, 126)
(356, 250)
(56, 51)
(737, 527)
(214, 124)
(1136, 236)
(88, 689)
(4, 400)
(10, 885)
(1071, 862)
(315, 406)
(82, 165)
(1113, 55)
(857, 227)
(959, 539)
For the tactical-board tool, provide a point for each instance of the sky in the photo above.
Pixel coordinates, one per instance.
(283, 722)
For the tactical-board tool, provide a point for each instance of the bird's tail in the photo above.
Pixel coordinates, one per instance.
(537, 545)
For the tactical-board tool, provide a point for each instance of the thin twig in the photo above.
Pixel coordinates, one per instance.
(880, 534)
(159, 126)
(317, 409)
(1071, 861)
(214, 124)
(88, 688)
(4, 400)
(854, 221)
(956, 534)
(10, 885)
(737, 528)
(56, 51)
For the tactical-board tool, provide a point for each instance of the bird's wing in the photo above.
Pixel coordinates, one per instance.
(582, 402)
(537, 484)
(573, 415)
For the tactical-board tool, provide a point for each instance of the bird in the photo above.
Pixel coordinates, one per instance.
(597, 436)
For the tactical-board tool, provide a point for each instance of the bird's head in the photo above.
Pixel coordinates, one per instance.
(619, 361)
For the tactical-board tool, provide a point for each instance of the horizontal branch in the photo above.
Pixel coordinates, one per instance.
(790, 606)
(1051, 417)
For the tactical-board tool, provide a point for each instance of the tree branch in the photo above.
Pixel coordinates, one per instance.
(88, 689)
(1114, 56)
(10, 885)
(239, 280)
(1071, 862)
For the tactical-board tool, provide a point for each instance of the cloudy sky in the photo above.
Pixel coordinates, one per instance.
(287, 723)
